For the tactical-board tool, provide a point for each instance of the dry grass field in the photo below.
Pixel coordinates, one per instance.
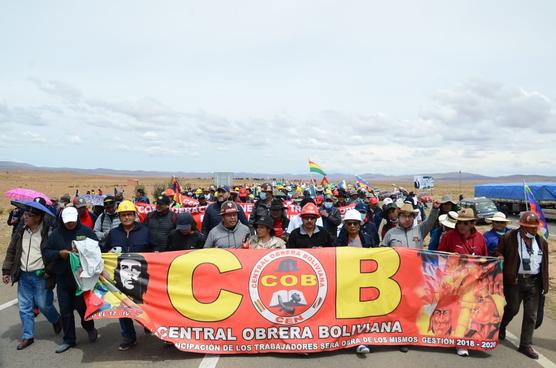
(56, 184)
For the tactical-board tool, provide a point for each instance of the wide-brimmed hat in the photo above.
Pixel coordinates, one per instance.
(498, 217)
(408, 208)
(447, 198)
(449, 219)
(466, 214)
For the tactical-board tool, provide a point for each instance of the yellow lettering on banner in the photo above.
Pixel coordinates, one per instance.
(268, 280)
(289, 280)
(350, 280)
(308, 280)
(292, 280)
(180, 285)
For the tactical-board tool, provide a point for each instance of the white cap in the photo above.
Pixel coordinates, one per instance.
(387, 201)
(69, 214)
(352, 215)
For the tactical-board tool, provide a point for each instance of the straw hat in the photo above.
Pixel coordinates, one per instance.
(407, 208)
(466, 214)
(497, 217)
(449, 220)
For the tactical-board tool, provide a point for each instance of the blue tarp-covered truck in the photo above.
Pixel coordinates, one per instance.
(510, 197)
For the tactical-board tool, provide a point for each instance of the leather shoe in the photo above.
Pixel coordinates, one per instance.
(502, 333)
(24, 343)
(63, 347)
(57, 326)
(404, 348)
(92, 334)
(528, 350)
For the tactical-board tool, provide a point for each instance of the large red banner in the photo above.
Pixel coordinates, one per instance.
(292, 300)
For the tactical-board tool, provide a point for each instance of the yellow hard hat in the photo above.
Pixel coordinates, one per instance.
(199, 191)
(126, 206)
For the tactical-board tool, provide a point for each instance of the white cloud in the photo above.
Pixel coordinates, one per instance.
(464, 127)
(74, 139)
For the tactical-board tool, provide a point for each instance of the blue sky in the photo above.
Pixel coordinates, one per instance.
(357, 86)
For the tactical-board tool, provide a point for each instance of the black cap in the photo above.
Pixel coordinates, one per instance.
(184, 220)
(266, 221)
(276, 204)
(162, 199)
(109, 200)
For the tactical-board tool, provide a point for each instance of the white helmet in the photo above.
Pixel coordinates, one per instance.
(352, 215)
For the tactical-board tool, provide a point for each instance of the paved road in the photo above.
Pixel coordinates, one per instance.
(151, 352)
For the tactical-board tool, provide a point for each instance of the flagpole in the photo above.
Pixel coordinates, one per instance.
(311, 176)
(525, 194)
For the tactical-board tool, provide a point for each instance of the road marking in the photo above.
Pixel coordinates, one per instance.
(8, 304)
(209, 361)
(543, 361)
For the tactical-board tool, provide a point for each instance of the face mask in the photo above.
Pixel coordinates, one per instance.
(530, 236)
(263, 196)
(328, 204)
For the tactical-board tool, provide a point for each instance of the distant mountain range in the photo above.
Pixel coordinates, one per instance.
(449, 176)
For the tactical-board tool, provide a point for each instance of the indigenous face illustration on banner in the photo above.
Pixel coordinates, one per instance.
(293, 300)
(463, 296)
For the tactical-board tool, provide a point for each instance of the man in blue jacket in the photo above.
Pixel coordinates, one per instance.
(129, 237)
(212, 216)
(499, 228)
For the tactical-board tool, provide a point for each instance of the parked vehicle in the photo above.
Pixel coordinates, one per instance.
(424, 197)
(510, 197)
(483, 207)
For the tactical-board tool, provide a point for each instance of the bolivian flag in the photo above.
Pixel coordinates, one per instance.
(314, 167)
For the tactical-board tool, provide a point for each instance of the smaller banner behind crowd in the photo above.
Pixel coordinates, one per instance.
(292, 300)
(292, 209)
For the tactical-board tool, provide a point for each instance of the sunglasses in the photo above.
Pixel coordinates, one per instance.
(352, 223)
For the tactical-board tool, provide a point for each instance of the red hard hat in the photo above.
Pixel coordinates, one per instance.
(169, 192)
(242, 192)
(373, 200)
(310, 209)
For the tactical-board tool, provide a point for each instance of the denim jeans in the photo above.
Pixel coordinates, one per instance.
(31, 291)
